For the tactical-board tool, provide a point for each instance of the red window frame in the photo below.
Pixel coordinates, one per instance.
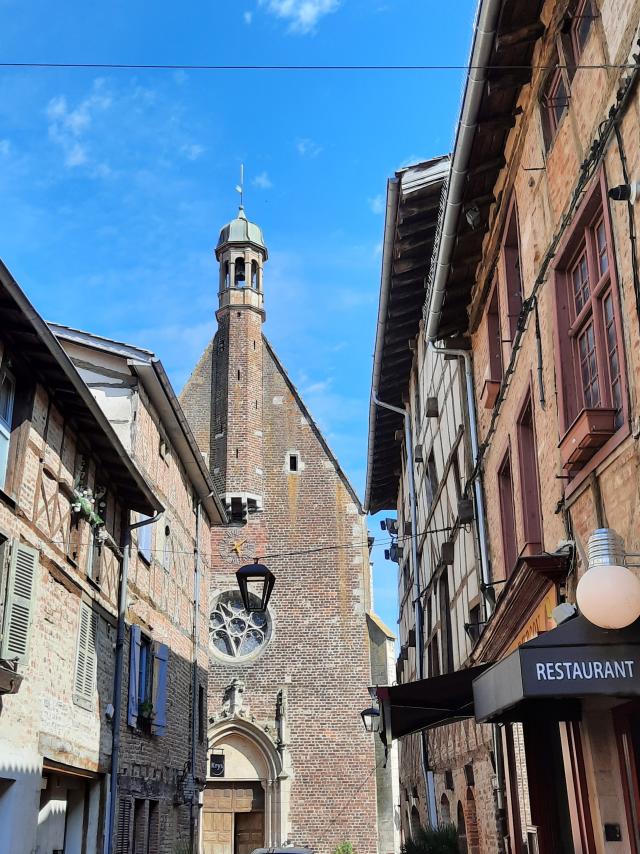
(579, 30)
(554, 105)
(529, 475)
(507, 514)
(511, 270)
(589, 344)
(494, 336)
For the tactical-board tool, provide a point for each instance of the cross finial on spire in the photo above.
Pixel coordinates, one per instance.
(240, 186)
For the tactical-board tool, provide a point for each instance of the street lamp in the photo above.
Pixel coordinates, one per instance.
(608, 594)
(255, 581)
(371, 719)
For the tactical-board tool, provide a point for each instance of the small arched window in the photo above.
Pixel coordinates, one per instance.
(462, 830)
(226, 274)
(445, 810)
(240, 281)
(254, 275)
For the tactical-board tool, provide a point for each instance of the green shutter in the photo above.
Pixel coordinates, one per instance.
(20, 603)
(86, 657)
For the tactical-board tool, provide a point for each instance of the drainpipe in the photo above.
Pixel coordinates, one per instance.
(194, 681)
(484, 555)
(408, 438)
(477, 480)
(117, 682)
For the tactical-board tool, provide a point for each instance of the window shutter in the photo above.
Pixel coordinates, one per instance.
(160, 662)
(134, 672)
(20, 603)
(123, 832)
(86, 657)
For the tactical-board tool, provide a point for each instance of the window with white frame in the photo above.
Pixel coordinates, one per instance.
(7, 399)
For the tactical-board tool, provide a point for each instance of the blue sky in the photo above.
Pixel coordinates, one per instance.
(114, 184)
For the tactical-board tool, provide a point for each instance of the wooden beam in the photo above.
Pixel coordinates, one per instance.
(520, 35)
(499, 121)
(501, 79)
(486, 166)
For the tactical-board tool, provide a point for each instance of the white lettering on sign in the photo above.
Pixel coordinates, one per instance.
(549, 670)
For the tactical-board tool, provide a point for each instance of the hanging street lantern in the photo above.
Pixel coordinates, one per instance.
(371, 719)
(256, 582)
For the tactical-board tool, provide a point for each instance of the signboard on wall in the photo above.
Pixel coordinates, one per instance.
(216, 765)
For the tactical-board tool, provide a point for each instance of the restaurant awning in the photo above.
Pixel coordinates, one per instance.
(555, 670)
(432, 702)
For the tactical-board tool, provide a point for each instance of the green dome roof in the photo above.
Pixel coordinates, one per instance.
(240, 230)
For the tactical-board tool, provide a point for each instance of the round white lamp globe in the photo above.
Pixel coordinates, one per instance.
(609, 596)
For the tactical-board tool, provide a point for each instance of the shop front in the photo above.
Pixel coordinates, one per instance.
(565, 704)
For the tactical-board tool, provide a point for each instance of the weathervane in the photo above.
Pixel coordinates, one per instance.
(240, 186)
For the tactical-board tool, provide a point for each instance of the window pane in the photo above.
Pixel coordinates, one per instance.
(6, 399)
(601, 244)
(580, 279)
(588, 367)
(612, 355)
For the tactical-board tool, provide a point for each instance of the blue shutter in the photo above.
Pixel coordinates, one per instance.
(160, 674)
(134, 671)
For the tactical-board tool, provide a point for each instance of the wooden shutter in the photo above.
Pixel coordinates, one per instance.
(20, 602)
(134, 672)
(153, 835)
(160, 668)
(123, 831)
(86, 657)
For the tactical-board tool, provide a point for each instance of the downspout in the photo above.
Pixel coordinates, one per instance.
(408, 438)
(484, 555)
(480, 61)
(117, 682)
(478, 491)
(194, 681)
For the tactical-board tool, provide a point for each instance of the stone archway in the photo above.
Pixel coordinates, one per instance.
(246, 801)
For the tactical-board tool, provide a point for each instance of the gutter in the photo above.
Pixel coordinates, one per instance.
(483, 41)
(393, 189)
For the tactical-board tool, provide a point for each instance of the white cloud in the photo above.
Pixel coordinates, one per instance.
(377, 204)
(307, 147)
(192, 151)
(247, 17)
(301, 15)
(67, 126)
(262, 181)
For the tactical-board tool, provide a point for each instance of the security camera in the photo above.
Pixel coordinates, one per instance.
(626, 192)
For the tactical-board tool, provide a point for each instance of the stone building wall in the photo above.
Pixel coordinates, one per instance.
(43, 720)
(603, 492)
(318, 655)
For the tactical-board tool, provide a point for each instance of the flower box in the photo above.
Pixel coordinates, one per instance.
(590, 430)
(489, 395)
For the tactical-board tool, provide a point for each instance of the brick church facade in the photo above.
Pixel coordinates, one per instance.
(289, 760)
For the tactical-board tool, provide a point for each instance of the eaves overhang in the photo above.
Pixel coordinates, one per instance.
(413, 201)
(500, 65)
(29, 337)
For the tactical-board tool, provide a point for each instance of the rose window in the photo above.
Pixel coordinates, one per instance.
(235, 633)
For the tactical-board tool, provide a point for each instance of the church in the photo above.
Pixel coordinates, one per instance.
(289, 761)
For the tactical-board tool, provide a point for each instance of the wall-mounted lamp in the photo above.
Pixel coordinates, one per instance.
(473, 216)
(608, 594)
(256, 583)
(626, 192)
(371, 719)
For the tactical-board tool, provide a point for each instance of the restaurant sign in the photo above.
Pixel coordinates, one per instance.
(577, 671)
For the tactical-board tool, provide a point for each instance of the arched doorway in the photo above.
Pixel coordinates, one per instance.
(245, 801)
(414, 823)
(471, 819)
(462, 830)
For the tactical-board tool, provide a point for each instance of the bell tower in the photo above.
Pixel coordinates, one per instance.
(237, 411)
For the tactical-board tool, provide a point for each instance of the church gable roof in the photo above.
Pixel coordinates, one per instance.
(316, 430)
